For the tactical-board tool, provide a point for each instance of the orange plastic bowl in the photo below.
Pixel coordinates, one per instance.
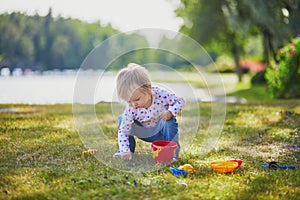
(238, 161)
(224, 166)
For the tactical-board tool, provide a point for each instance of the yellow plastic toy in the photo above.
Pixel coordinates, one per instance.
(188, 168)
(89, 152)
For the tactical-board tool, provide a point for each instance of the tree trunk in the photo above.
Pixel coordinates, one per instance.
(236, 57)
(238, 68)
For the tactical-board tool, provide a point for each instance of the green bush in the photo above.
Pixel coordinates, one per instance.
(284, 78)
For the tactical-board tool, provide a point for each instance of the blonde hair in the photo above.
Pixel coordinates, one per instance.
(131, 78)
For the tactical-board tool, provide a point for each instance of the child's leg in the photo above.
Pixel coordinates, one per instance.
(170, 132)
(165, 130)
(131, 143)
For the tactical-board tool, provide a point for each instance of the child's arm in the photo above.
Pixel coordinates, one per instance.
(175, 103)
(124, 132)
(166, 115)
(123, 141)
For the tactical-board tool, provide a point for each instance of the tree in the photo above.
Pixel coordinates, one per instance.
(224, 25)
(44, 42)
(208, 22)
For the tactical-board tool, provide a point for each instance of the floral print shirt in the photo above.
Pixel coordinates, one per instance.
(148, 117)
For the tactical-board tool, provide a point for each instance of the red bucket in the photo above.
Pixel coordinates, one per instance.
(164, 151)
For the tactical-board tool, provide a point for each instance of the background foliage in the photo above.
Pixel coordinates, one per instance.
(46, 43)
(42, 42)
(225, 26)
(284, 78)
(230, 30)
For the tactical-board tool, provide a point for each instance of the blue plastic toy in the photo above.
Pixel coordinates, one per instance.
(178, 172)
(275, 165)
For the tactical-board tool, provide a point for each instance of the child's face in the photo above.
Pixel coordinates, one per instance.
(141, 98)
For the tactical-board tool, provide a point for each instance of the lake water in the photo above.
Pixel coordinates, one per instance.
(54, 89)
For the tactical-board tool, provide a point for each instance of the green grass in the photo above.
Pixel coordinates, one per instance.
(246, 90)
(41, 156)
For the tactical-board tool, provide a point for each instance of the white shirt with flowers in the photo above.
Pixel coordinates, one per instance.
(148, 117)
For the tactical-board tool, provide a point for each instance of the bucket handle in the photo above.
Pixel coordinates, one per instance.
(156, 152)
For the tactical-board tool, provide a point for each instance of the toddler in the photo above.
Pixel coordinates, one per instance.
(150, 113)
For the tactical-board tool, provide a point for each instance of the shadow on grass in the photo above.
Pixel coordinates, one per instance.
(273, 184)
(259, 135)
(51, 165)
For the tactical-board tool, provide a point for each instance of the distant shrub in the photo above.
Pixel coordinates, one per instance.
(252, 66)
(259, 78)
(284, 78)
(223, 64)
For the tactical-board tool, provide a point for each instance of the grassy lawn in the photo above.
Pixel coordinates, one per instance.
(244, 89)
(41, 157)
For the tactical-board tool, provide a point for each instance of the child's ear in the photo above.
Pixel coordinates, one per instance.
(149, 87)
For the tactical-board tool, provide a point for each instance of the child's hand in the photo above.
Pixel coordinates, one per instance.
(166, 115)
(126, 156)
